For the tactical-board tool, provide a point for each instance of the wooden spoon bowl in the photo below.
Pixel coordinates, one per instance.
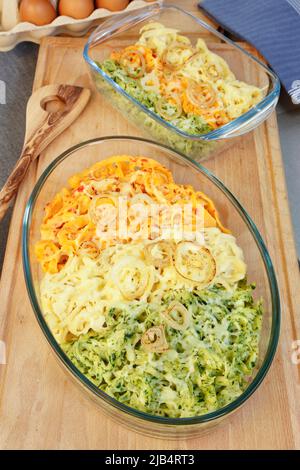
(50, 110)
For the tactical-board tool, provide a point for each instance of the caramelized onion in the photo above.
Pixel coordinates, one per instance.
(163, 256)
(132, 277)
(134, 68)
(163, 113)
(195, 263)
(98, 201)
(201, 95)
(154, 340)
(177, 307)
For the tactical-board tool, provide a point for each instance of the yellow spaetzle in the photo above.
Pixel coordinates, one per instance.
(71, 217)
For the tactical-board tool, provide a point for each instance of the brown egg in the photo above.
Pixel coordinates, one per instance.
(112, 5)
(38, 12)
(78, 9)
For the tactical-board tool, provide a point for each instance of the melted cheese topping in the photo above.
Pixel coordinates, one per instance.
(86, 275)
(77, 299)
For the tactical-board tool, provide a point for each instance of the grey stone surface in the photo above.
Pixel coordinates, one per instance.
(17, 71)
(289, 130)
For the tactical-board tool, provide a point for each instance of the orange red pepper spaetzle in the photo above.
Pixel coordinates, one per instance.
(70, 225)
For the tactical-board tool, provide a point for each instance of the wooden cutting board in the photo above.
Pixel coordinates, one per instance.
(40, 407)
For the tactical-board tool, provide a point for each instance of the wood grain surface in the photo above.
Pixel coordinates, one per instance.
(40, 407)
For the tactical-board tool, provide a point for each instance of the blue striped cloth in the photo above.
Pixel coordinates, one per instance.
(272, 27)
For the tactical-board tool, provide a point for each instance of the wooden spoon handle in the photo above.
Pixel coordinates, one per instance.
(11, 186)
(50, 111)
(33, 148)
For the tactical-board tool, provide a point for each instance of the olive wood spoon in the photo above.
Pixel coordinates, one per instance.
(50, 110)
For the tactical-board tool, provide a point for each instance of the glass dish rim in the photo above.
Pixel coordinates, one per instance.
(275, 330)
(224, 131)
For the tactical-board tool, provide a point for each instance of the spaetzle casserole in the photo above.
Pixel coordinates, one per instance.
(165, 324)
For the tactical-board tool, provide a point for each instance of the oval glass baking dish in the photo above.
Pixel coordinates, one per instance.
(124, 31)
(259, 268)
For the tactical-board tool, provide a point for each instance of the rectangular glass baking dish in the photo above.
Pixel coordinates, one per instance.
(124, 30)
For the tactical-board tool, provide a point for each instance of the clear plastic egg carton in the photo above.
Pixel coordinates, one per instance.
(13, 31)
